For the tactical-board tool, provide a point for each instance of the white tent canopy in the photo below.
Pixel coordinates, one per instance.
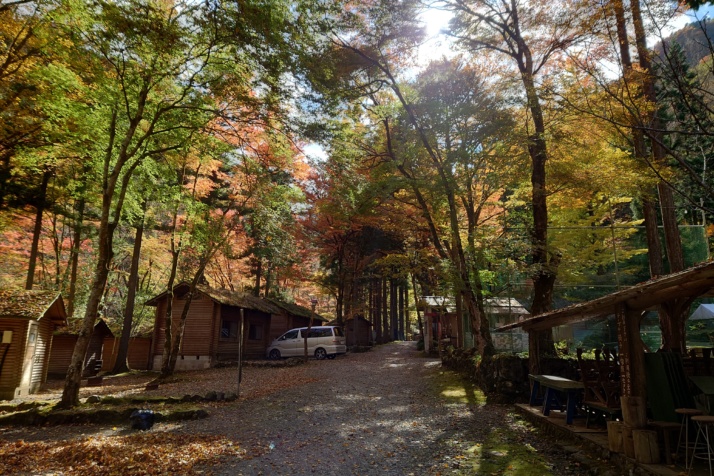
(704, 311)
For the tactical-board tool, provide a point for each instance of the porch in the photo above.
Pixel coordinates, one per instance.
(592, 443)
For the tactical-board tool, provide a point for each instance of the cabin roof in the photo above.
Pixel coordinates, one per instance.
(33, 304)
(241, 300)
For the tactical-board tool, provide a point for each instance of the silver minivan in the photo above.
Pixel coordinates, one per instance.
(322, 342)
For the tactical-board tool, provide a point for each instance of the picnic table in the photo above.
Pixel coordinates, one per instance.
(552, 388)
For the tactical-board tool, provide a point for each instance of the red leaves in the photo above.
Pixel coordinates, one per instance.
(136, 454)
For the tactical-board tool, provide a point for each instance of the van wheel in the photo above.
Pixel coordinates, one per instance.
(332, 356)
(274, 354)
(320, 354)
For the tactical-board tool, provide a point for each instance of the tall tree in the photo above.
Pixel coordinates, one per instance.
(148, 62)
(515, 30)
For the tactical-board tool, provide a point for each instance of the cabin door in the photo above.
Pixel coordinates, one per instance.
(29, 360)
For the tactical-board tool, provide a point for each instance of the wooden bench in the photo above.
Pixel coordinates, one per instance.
(553, 388)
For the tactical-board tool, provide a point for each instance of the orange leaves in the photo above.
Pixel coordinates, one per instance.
(136, 454)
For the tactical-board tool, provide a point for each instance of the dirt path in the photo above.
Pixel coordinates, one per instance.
(390, 411)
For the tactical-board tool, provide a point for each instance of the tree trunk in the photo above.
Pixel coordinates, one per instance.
(121, 364)
(673, 315)
(74, 257)
(258, 277)
(168, 316)
(268, 279)
(393, 310)
(70, 394)
(37, 231)
(545, 263)
(420, 322)
(378, 309)
(386, 331)
(402, 310)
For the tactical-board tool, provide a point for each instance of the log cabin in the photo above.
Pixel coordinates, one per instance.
(212, 328)
(27, 321)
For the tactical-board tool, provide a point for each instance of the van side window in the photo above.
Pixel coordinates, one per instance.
(289, 335)
(320, 332)
(338, 332)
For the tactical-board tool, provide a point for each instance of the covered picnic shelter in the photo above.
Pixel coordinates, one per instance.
(676, 291)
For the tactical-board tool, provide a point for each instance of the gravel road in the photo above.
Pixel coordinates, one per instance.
(380, 412)
(389, 411)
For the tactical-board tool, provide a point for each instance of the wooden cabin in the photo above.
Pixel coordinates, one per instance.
(27, 321)
(104, 347)
(358, 331)
(212, 329)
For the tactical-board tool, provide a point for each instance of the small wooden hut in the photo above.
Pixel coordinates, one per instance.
(27, 321)
(358, 331)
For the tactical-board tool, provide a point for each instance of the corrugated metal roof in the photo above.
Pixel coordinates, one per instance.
(504, 305)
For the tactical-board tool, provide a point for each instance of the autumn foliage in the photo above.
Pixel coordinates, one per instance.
(137, 454)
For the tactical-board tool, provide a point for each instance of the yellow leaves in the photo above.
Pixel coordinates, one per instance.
(137, 454)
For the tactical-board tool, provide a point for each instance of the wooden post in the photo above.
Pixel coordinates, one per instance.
(628, 444)
(632, 359)
(645, 445)
(533, 352)
(313, 303)
(240, 351)
(614, 436)
(633, 387)
(427, 331)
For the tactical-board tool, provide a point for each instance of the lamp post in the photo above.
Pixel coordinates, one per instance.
(313, 303)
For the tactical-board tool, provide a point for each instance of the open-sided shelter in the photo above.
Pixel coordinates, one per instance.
(27, 321)
(676, 291)
(212, 330)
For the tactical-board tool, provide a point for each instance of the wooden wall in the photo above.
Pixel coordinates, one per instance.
(362, 336)
(138, 355)
(11, 370)
(17, 364)
(61, 355)
(198, 330)
(63, 346)
(279, 324)
(227, 349)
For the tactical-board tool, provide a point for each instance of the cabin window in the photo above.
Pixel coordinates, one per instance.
(229, 330)
(255, 332)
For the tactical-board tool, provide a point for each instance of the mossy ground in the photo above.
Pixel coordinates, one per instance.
(503, 450)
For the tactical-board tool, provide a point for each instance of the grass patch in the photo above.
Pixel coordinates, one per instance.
(453, 388)
(504, 451)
